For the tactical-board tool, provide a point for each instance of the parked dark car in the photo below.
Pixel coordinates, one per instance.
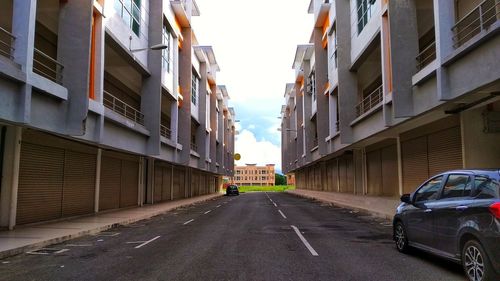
(232, 190)
(455, 215)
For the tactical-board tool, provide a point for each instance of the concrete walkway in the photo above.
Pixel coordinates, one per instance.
(26, 238)
(384, 207)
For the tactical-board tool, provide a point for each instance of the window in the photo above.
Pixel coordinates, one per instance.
(364, 9)
(166, 52)
(457, 186)
(130, 12)
(429, 191)
(486, 188)
(194, 88)
(312, 84)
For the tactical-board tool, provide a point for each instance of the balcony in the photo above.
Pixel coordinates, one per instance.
(370, 101)
(123, 109)
(6, 44)
(165, 132)
(47, 67)
(426, 56)
(194, 147)
(477, 20)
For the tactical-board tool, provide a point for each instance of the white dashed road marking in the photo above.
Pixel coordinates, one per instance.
(308, 246)
(189, 221)
(147, 242)
(275, 205)
(217, 206)
(281, 213)
(207, 212)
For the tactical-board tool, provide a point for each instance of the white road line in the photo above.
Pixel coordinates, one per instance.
(61, 251)
(189, 221)
(217, 206)
(283, 215)
(275, 205)
(308, 246)
(207, 212)
(147, 242)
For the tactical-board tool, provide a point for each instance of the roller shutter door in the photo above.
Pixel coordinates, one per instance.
(445, 151)
(158, 184)
(109, 195)
(79, 183)
(129, 183)
(350, 175)
(415, 163)
(390, 180)
(343, 175)
(374, 171)
(41, 175)
(166, 184)
(178, 179)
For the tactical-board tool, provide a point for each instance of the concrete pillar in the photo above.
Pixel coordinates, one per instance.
(321, 67)
(151, 95)
(403, 48)
(97, 180)
(444, 19)
(150, 180)
(307, 110)
(400, 165)
(185, 76)
(73, 51)
(140, 184)
(10, 176)
(299, 96)
(201, 133)
(213, 126)
(348, 87)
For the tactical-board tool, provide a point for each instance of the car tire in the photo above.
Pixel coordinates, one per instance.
(400, 237)
(476, 264)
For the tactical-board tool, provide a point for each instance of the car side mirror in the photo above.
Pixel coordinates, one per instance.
(406, 198)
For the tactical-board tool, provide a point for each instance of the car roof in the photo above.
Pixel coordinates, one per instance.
(495, 173)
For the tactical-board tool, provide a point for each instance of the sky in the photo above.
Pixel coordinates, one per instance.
(254, 44)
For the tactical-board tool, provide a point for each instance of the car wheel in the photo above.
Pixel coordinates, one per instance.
(475, 262)
(400, 237)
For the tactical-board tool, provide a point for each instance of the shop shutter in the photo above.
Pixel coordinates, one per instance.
(350, 174)
(109, 195)
(166, 183)
(374, 171)
(129, 183)
(343, 175)
(178, 176)
(158, 186)
(415, 163)
(79, 183)
(390, 180)
(40, 183)
(445, 151)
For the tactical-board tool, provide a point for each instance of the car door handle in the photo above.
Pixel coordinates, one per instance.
(428, 210)
(461, 208)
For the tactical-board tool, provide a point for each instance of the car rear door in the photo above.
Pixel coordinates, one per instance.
(450, 209)
(419, 218)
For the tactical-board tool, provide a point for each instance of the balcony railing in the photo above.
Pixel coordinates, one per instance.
(165, 131)
(122, 108)
(426, 56)
(47, 67)
(6, 43)
(477, 20)
(194, 147)
(372, 100)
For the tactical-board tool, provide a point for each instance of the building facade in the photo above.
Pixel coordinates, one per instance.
(388, 93)
(253, 175)
(106, 104)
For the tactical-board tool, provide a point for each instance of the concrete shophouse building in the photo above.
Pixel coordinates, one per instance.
(253, 175)
(388, 93)
(94, 115)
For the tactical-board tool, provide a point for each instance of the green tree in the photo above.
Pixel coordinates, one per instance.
(279, 179)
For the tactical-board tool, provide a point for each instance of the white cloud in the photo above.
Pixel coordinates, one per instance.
(257, 152)
(251, 126)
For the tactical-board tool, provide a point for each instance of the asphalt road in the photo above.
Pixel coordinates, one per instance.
(257, 236)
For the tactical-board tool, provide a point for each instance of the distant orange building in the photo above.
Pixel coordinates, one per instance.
(251, 174)
(290, 179)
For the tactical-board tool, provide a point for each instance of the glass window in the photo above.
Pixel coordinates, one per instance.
(429, 191)
(312, 84)
(166, 52)
(457, 186)
(486, 188)
(130, 12)
(364, 10)
(194, 89)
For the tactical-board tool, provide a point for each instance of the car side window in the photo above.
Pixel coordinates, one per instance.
(486, 188)
(429, 191)
(457, 186)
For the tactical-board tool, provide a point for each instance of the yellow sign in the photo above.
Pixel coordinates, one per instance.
(237, 156)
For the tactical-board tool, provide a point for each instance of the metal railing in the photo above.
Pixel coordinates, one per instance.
(477, 20)
(194, 147)
(165, 131)
(372, 100)
(6, 43)
(123, 108)
(426, 56)
(47, 67)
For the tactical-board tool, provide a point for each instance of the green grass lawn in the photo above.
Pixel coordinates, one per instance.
(277, 188)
